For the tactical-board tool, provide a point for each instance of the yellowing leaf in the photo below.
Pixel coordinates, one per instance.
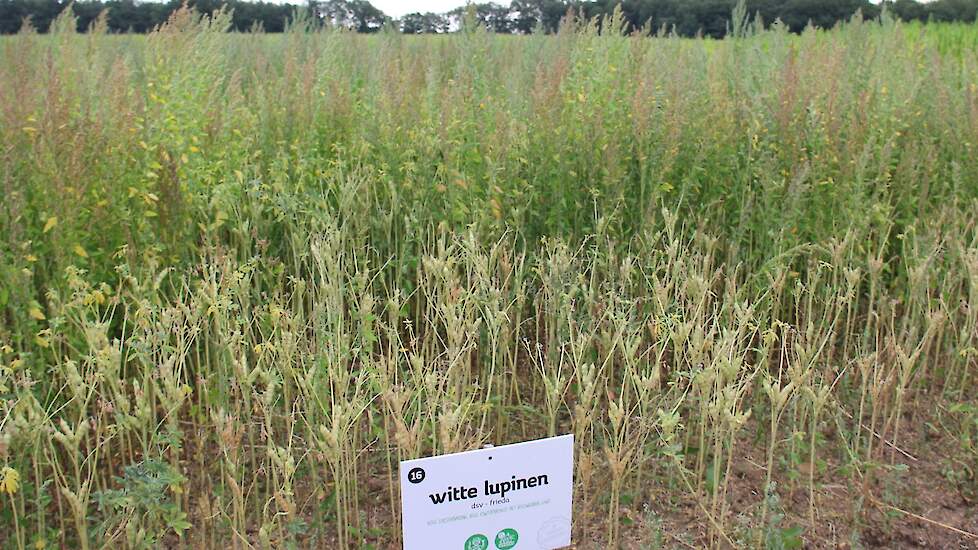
(49, 225)
(80, 251)
(9, 480)
(94, 297)
(42, 340)
(36, 314)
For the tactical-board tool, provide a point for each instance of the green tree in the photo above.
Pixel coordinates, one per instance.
(358, 15)
(423, 23)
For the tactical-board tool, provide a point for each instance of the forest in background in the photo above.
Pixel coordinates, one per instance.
(684, 17)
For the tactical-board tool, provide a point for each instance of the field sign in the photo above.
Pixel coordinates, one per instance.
(515, 496)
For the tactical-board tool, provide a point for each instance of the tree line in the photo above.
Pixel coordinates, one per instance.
(684, 17)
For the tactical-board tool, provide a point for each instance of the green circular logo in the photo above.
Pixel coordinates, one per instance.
(506, 539)
(477, 542)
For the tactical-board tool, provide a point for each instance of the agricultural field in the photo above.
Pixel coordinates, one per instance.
(243, 275)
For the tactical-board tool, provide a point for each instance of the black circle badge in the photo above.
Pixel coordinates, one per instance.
(416, 475)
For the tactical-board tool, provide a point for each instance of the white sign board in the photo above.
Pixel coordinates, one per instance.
(515, 496)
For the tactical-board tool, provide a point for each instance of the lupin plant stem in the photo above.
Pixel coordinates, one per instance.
(812, 465)
(18, 537)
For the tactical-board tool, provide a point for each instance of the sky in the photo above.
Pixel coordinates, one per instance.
(397, 8)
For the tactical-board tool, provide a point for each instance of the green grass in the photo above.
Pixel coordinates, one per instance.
(242, 275)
